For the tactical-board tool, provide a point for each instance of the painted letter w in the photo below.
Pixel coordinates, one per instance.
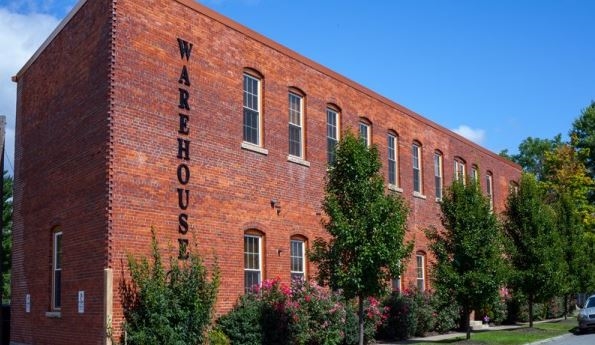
(185, 48)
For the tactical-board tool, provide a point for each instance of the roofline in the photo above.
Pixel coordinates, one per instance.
(195, 6)
(325, 70)
(49, 40)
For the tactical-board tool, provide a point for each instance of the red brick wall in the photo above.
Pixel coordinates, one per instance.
(230, 188)
(60, 181)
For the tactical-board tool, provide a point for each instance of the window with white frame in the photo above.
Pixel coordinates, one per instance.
(460, 169)
(490, 189)
(417, 166)
(393, 167)
(474, 173)
(332, 133)
(57, 270)
(421, 271)
(296, 120)
(252, 110)
(252, 261)
(364, 132)
(298, 259)
(396, 284)
(438, 174)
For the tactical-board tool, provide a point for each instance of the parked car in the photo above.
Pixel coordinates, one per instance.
(586, 317)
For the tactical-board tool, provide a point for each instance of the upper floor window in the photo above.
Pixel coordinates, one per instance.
(252, 109)
(252, 261)
(438, 174)
(57, 270)
(296, 125)
(460, 170)
(298, 259)
(474, 174)
(417, 167)
(490, 188)
(365, 132)
(393, 161)
(332, 133)
(514, 187)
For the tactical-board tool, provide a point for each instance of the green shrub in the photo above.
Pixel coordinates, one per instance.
(173, 307)
(412, 313)
(243, 325)
(217, 337)
(446, 311)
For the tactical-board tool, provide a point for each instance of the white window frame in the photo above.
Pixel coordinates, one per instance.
(297, 257)
(249, 97)
(417, 168)
(299, 125)
(420, 272)
(490, 189)
(258, 261)
(365, 132)
(438, 175)
(475, 173)
(460, 173)
(57, 259)
(332, 133)
(393, 157)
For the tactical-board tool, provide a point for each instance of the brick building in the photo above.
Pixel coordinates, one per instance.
(163, 113)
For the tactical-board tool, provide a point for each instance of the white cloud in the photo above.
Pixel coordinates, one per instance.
(20, 36)
(475, 135)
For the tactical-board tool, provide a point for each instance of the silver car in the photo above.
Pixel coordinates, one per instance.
(586, 317)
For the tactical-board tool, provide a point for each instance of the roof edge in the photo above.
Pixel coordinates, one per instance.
(49, 40)
(230, 23)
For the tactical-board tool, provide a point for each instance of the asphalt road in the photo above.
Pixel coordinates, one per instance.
(574, 339)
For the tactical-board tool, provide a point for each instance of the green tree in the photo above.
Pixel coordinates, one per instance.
(6, 239)
(468, 250)
(168, 307)
(583, 129)
(534, 248)
(532, 154)
(366, 226)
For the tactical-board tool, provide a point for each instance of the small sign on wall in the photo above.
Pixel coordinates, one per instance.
(81, 302)
(27, 303)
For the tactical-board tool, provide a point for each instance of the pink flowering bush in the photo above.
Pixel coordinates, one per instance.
(301, 314)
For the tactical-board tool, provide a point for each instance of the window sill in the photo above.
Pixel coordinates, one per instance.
(53, 314)
(298, 160)
(438, 199)
(419, 195)
(394, 188)
(254, 148)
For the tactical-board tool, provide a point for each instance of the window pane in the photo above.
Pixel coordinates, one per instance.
(392, 160)
(332, 134)
(251, 110)
(297, 259)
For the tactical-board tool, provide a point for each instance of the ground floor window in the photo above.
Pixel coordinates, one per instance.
(298, 259)
(421, 271)
(57, 270)
(252, 261)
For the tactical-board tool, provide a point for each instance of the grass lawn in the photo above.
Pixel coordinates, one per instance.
(518, 336)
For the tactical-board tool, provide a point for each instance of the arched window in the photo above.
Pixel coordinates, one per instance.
(460, 174)
(393, 160)
(490, 188)
(417, 168)
(253, 259)
(438, 173)
(365, 131)
(297, 256)
(420, 267)
(57, 269)
(296, 122)
(333, 120)
(252, 86)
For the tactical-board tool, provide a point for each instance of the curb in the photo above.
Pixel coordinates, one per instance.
(545, 341)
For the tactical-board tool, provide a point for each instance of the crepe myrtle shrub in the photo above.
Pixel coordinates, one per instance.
(168, 304)
(366, 225)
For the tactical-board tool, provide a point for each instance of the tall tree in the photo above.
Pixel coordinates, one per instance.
(469, 250)
(532, 154)
(534, 246)
(366, 226)
(583, 130)
(6, 238)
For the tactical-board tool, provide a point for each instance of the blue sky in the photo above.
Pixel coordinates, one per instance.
(495, 71)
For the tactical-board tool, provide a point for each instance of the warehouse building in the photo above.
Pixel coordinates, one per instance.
(164, 113)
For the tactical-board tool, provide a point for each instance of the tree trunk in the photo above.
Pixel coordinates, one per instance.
(466, 313)
(566, 297)
(360, 314)
(530, 311)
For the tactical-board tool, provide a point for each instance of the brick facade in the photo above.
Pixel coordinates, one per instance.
(100, 145)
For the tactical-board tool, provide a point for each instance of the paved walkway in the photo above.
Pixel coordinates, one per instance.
(439, 337)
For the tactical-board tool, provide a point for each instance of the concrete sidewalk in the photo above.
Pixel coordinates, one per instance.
(453, 335)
